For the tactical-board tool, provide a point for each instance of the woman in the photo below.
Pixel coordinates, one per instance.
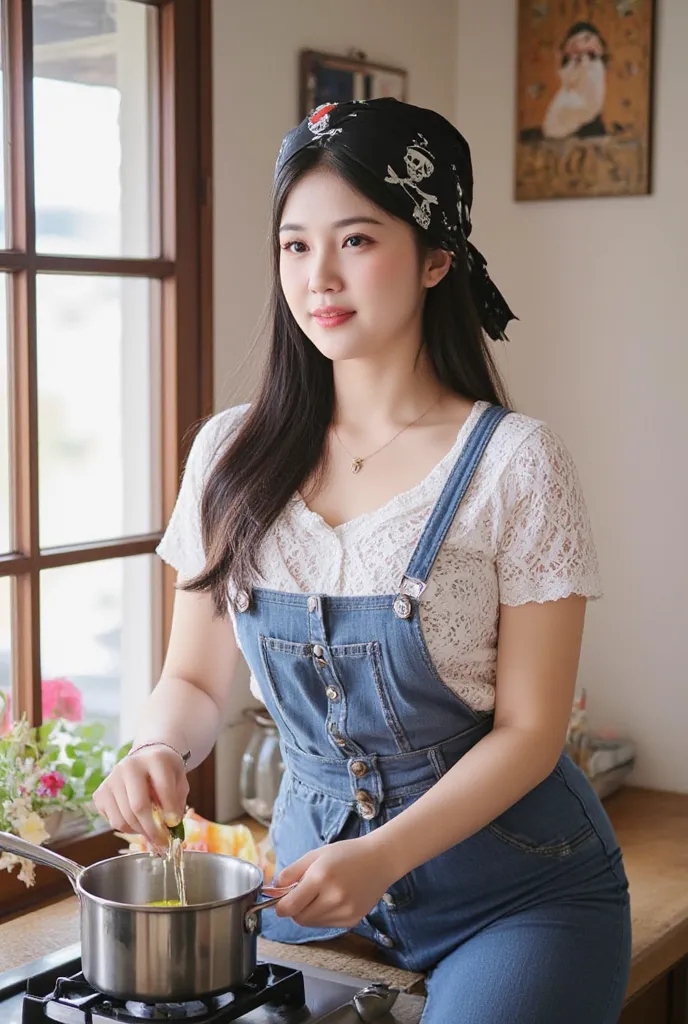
(407, 563)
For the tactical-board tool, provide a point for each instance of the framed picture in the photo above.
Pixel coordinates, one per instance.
(584, 115)
(326, 78)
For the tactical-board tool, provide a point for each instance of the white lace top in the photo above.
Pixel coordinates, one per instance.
(522, 533)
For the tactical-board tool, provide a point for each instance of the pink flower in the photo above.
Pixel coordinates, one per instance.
(61, 699)
(50, 784)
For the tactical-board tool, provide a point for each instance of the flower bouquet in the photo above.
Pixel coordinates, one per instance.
(45, 773)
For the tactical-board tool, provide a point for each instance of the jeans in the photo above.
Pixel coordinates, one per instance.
(553, 964)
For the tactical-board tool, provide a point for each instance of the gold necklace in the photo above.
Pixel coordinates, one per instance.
(358, 460)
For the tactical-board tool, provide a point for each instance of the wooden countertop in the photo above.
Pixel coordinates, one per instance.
(652, 828)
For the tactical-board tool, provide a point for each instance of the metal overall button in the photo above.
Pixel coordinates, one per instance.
(402, 607)
(242, 601)
(332, 694)
(312, 604)
(318, 653)
(336, 735)
(385, 940)
(359, 769)
(388, 899)
(366, 804)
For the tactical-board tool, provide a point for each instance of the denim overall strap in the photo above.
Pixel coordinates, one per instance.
(415, 578)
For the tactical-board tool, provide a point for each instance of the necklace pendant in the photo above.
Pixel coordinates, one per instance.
(357, 465)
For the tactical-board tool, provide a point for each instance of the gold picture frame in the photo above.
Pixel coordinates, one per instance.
(328, 78)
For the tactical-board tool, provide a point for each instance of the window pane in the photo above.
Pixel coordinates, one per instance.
(95, 103)
(98, 408)
(97, 629)
(5, 655)
(5, 540)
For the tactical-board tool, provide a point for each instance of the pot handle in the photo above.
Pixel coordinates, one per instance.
(274, 895)
(40, 855)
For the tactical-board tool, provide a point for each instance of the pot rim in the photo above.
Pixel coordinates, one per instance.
(142, 907)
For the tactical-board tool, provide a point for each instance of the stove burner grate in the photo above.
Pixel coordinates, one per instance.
(71, 1000)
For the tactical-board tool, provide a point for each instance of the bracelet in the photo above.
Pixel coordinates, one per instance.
(161, 743)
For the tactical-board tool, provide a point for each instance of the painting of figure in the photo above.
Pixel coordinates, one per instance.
(585, 70)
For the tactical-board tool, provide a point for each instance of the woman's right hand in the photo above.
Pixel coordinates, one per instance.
(151, 777)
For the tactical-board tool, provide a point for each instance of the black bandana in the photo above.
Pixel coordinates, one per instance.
(426, 163)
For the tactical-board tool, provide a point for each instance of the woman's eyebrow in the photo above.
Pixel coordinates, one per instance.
(347, 222)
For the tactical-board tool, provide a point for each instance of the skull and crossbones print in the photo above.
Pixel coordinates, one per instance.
(419, 166)
(319, 121)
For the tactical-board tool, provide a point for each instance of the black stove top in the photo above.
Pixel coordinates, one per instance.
(53, 989)
(64, 995)
(61, 993)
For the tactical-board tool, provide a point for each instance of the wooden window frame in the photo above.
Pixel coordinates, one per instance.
(184, 270)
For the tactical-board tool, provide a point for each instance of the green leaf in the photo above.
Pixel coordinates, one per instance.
(78, 769)
(44, 732)
(92, 783)
(94, 731)
(123, 751)
(70, 750)
(68, 791)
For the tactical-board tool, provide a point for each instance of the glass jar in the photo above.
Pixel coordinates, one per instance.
(261, 767)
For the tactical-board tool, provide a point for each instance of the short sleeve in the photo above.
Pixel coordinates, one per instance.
(182, 543)
(546, 549)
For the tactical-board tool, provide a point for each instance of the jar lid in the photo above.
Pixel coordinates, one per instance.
(261, 717)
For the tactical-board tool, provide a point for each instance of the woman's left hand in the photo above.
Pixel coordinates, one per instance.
(338, 884)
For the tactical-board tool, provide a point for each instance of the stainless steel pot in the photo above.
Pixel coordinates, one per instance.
(162, 954)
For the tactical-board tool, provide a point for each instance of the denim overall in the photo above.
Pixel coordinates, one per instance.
(367, 726)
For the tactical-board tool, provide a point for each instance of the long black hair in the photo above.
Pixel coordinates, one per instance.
(281, 442)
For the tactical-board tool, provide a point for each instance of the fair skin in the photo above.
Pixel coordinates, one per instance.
(373, 271)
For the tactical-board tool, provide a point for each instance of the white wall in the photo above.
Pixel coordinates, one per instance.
(255, 96)
(601, 352)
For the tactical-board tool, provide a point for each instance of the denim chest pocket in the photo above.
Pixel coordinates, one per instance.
(286, 669)
(549, 820)
(272, 652)
(311, 691)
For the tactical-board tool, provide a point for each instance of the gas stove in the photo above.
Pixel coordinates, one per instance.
(53, 989)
